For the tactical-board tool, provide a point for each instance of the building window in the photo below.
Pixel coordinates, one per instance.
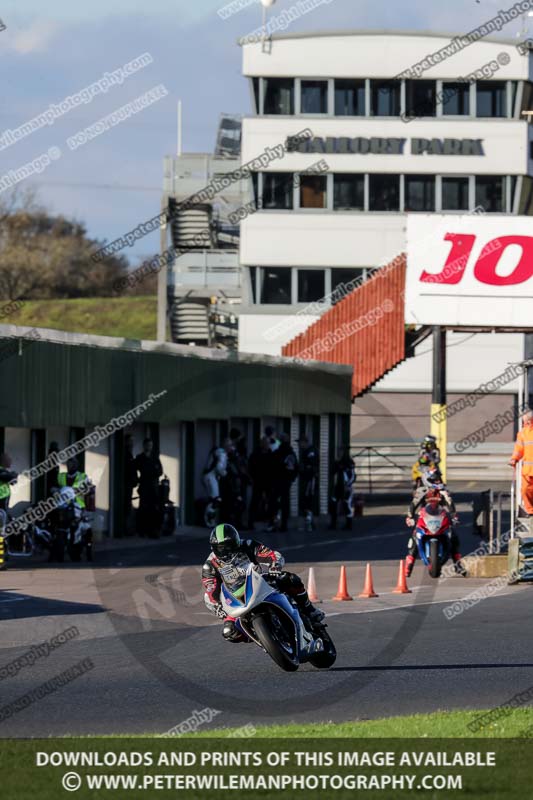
(420, 98)
(278, 190)
(490, 193)
(349, 192)
(350, 98)
(514, 92)
(513, 181)
(420, 193)
(384, 192)
(526, 199)
(455, 194)
(491, 98)
(255, 87)
(255, 187)
(455, 99)
(313, 191)
(253, 273)
(344, 281)
(279, 96)
(314, 97)
(276, 285)
(527, 101)
(385, 97)
(311, 285)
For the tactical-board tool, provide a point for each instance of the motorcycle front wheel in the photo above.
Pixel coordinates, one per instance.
(435, 565)
(278, 650)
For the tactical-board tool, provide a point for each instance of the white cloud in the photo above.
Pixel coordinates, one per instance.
(34, 38)
(181, 12)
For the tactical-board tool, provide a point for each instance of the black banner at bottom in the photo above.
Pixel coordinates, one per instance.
(324, 769)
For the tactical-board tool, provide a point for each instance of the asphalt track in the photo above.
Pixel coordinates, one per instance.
(158, 655)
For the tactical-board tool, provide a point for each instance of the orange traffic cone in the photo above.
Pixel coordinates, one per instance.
(342, 591)
(368, 590)
(311, 587)
(401, 586)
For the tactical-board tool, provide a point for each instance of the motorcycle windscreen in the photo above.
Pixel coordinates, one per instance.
(239, 594)
(236, 596)
(433, 519)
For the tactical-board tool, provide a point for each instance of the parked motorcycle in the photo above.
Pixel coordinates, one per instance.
(71, 528)
(272, 620)
(32, 539)
(432, 535)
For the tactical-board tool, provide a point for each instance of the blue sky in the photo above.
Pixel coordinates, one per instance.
(50, 50)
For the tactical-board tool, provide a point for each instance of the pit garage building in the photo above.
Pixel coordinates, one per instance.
(60, 386)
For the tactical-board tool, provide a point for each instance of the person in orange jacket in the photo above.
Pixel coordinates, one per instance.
(523, 451)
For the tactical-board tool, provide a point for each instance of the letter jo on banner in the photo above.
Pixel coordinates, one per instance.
(470, 270)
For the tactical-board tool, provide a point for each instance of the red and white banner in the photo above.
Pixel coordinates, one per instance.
(474, 270)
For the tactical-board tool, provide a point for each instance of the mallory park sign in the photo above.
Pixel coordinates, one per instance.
(393, 147)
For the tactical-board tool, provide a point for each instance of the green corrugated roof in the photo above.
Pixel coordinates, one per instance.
(79, 380)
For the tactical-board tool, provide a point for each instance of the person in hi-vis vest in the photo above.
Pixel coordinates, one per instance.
(523, 451)
(7, 476)
(74, 478)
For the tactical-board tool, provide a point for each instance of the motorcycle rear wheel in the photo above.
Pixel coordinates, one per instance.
(328, 656)
(274, 648)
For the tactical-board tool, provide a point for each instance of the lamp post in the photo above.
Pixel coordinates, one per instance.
(528, 338)
(525, 24)
(266, 5)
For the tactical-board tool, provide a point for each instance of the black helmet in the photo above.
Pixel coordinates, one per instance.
(224, 541)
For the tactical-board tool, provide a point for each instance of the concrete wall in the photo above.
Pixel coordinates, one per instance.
(17, 445)
(374, 55)
(505, 144)
(322, 239)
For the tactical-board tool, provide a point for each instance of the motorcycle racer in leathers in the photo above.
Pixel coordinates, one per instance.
(229, 559)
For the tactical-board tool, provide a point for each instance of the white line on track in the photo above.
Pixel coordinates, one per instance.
(410, 605)
(350, 539)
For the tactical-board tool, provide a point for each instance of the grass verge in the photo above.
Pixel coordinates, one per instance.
(128, 317)
(440, 725)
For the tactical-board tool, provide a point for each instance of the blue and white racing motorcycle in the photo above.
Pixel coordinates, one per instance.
(271, 620)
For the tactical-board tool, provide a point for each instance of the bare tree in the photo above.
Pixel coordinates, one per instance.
(44, 256)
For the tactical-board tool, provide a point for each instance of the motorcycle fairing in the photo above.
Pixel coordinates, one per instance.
(257, 592)
(423, 540)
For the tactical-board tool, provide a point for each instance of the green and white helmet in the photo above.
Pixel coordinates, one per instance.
(225, 541)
